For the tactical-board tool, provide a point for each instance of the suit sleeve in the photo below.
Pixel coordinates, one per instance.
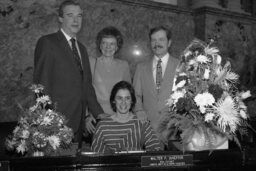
(43, 65)
(93, 105)
(138, 88)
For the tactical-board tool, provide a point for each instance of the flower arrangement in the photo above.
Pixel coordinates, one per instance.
(40, 129)
(205, 97)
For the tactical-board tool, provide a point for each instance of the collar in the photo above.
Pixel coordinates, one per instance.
(122, 118)
(164, 58)
(66, 35)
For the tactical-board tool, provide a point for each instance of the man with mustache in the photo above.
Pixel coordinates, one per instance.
(153, 78)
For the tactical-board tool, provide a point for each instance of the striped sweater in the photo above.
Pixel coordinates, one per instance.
(112, 136)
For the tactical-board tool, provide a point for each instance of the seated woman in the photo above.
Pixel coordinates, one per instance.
(122, 131)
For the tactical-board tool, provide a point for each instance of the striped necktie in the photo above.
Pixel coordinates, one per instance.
(158, 74)
(76, 55)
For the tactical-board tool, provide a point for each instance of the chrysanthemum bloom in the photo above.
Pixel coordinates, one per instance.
(228, 114)
(203, 100)
(202, 59)
(54, 141)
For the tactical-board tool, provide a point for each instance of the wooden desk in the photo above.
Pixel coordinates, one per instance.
(217, 160)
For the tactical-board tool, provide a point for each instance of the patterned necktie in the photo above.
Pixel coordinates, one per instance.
(158, 74)
(76, 55)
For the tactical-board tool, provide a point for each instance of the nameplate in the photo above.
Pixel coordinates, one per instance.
(180, 160)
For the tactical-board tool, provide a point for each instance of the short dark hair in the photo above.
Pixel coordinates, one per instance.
(120, 86)
(109, 31)
(156, 29)
(66, 3)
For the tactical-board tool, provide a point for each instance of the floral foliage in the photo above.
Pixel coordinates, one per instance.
(205, 95)
(40, 128)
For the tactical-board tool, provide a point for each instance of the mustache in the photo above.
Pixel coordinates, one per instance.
(157, 46)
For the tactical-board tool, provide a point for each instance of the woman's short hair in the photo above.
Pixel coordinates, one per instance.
(156, 29)
(66, 3)
(109, 31)
(122, 85)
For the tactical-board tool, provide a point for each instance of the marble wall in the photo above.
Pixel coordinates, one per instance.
(23, 22)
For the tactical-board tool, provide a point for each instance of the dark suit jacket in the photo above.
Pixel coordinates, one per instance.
(56, 69)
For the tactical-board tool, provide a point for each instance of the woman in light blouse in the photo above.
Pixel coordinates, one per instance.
(106, 69)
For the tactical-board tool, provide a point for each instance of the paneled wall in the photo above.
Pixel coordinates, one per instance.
(23, 22)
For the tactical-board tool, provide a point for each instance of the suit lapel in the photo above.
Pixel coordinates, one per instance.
(169, 75)
(149, 74)
(83, 54)
(65, 47)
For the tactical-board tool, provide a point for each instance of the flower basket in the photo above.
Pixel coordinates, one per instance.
(40, 130)
(206, 109)
(206, 140)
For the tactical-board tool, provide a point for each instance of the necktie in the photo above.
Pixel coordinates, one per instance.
(158, 74)
(76, 55)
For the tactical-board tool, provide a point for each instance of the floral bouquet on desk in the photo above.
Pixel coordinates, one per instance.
(41, 130)
(205, 107)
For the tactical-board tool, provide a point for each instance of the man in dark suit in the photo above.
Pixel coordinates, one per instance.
(61, 65)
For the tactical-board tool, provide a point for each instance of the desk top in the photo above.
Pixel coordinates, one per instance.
(203, 160)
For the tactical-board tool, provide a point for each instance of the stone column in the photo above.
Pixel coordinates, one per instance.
(205, 3)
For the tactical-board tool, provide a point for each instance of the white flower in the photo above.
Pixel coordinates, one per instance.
(22, 147)
(176, 95)
(46, 120)
(202, 109)
(211, 50)
(43, 99)
(206, 74)
(245, 95)
(25, 134)
(188, 53)
(243, 114)
(54, 141)
(218, 59)
(192, 62)
(204, 99)
(17, 128)
(202, 59)
(209, 117)
(33, 108)
(228, 114)
(36, 133)
(49, 112)
(182, 74)
(10, 143)
(181, 84)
